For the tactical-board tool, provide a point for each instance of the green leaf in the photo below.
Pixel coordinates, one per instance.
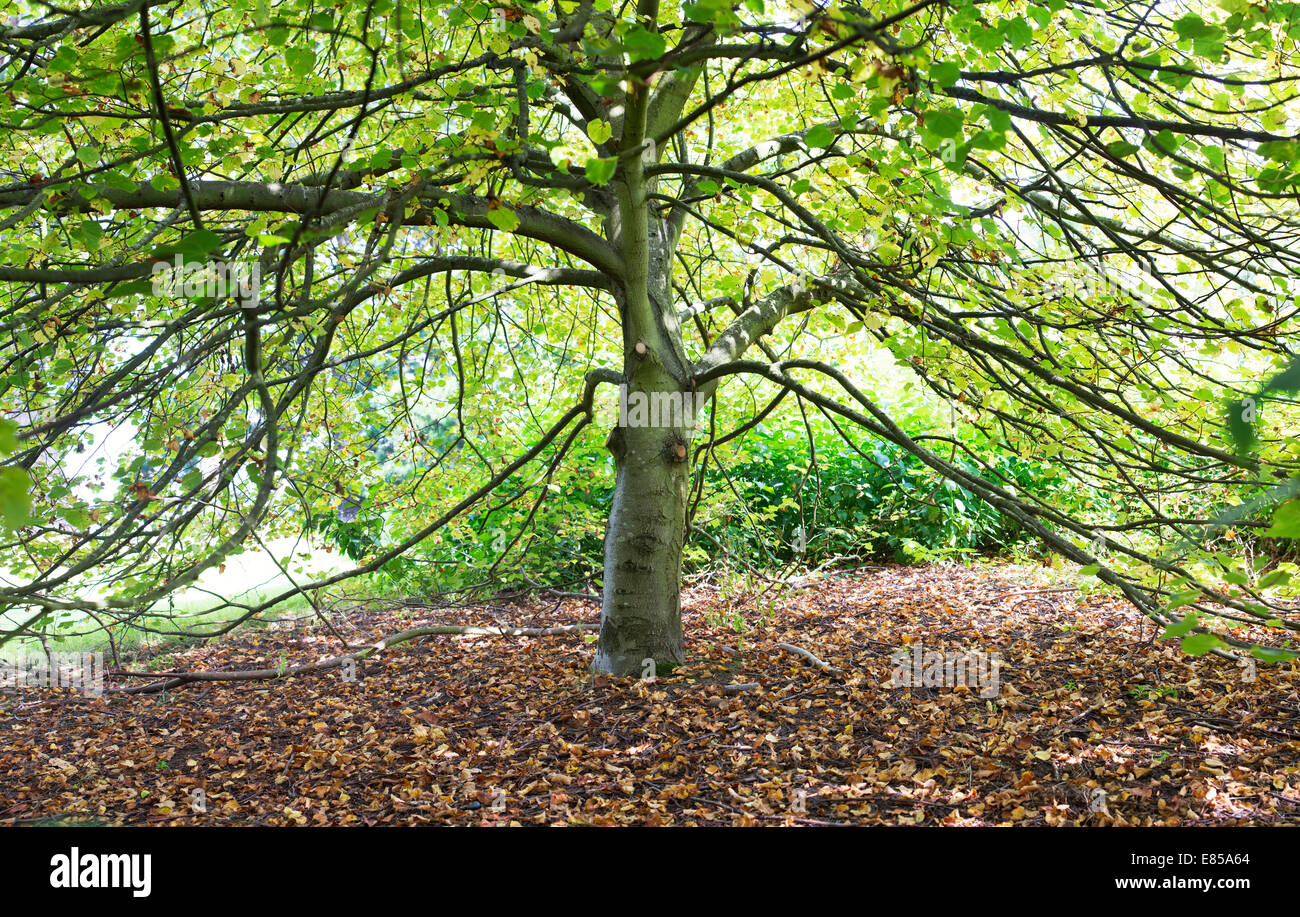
(988, 140)
(1288, 380)
(130, 288)
(985, 38)
(1270, 655)
(998, 119)
(199, 243)
(8, 437)
(1278, 150)
(643, 44)
(503, 218)
(1200, 644)
(601, 170)
(75, 516)
(1277, 577)
(1193, 26)
(944, 122)
(709, 11)
(1018, 32)
(945, 73)
(1240, 421)
(599, 131)
(1179, 628)
(300, 60)
(64, 61)
(819, 137)
(15, 499)
(1242, 415)
(1286, 521)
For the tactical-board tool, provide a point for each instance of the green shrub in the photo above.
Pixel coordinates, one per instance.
(881, 504)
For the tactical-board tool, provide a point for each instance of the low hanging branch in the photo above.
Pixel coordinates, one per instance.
(176, 679)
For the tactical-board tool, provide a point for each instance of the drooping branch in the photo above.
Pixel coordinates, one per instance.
(167, 681)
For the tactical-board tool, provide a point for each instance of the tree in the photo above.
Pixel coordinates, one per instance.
(1058, 215)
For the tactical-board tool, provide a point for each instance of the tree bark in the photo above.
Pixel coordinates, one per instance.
(641, 624)
(640, 620)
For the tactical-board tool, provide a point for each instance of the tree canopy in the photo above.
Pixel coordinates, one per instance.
(263, 239)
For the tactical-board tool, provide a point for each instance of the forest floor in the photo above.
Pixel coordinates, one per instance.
(1091, 721)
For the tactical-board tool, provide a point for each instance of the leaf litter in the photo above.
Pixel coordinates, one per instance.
(1095, 721)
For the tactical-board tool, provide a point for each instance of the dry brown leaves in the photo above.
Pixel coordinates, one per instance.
(1093, 724)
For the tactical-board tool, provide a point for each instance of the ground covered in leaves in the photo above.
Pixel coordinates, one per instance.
(1093, 722)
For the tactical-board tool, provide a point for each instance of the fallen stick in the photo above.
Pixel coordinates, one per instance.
(176, 679)
(817, 663)
(733, 689)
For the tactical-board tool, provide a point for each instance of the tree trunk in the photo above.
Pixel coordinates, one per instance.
(640, 619)
(640, 622)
